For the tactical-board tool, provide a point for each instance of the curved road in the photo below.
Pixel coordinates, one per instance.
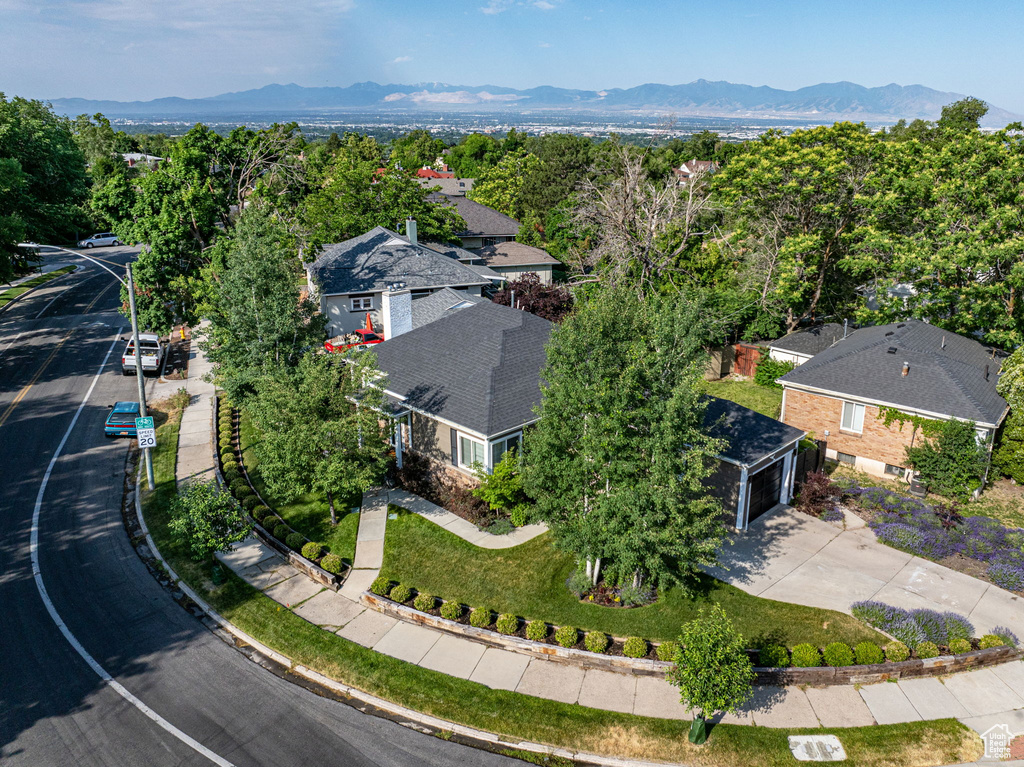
(54, 709)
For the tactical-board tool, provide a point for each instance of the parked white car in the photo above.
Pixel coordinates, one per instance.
(100, 240)
(152, 354)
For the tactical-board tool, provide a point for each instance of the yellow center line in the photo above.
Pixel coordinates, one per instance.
(42, 369)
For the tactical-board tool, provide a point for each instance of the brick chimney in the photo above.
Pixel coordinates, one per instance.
(396, 310)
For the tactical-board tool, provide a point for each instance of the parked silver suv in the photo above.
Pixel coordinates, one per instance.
(99, 240)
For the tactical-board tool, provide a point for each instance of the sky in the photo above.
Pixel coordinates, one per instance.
(143, 49)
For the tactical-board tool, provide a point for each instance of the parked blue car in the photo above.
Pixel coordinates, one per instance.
(121, 420)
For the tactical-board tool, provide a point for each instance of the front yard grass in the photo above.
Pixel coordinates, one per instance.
(308, 514)
(917, 744)
(12, 293)
(743, 391)
(529, 580)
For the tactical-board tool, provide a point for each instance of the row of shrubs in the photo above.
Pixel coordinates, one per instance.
(239, 486)
(770, 656)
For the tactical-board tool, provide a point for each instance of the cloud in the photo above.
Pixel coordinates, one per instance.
(543, 45)
(401, 59)
(544, 5)
(500, 6)
(496, 6)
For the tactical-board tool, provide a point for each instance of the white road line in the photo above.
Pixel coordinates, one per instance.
(69, 287)
(12, 343)
(37, 574)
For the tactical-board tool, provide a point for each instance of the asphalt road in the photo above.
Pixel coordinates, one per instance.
(54, 708)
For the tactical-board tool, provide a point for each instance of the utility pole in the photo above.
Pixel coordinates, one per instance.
(138, 370)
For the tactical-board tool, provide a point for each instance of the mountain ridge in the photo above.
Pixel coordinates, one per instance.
(700, 98)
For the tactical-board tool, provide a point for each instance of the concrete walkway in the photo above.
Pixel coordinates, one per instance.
(196, 456)
(980, 699)
(792, 557)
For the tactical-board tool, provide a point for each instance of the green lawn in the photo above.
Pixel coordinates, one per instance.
(917, 744)
(307, 514)
(529, 580)
(11, 293)
(747, 393)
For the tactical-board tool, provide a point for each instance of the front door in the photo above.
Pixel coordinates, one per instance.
(763, 490)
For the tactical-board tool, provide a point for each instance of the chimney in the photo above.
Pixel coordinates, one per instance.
(410, 230)
(906, 369)
(396, 310)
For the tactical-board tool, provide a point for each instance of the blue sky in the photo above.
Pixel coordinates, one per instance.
(143, 49)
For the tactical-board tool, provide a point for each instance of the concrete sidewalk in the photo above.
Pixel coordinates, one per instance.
(196, 456)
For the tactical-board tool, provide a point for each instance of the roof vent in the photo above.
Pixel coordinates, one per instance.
(986, 372)
(892, 350)
(906, 369)
(902, 325)
(891, 333)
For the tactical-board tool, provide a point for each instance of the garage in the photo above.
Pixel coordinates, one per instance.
(763, 490)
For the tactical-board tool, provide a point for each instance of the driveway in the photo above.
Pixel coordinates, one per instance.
(791, 557)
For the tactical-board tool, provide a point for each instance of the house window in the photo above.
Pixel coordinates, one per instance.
(362, 304)
(470, 452)
(896, 471)
(846, 458)
(501, 446)
(853, 417)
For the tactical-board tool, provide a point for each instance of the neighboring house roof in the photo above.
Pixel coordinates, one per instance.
(443, 303)
(372, 261)
(453, 187)
(511, 254)
(946, 377)
(693, 167)
(810, 341)
(431, 173)
(749, 435)
(486, 271)
(480, 220)
(478, 368)
(454, 251)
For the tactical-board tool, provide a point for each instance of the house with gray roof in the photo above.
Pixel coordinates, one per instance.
(453, 187)
(513, 260)
(843, 393)
(484, 226)
(800, 345)
(350, 277)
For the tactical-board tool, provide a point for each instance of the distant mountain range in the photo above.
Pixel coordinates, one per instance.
(825, 102)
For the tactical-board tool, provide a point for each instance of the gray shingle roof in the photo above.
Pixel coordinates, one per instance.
(810, 340)
(454, 251)
(449, 186)
(749, 435)
(480, 220)
(478, 368)
(506, 254)
(443, 303)
(947, 373)
(370, 262)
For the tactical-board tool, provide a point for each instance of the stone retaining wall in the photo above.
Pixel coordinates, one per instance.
(821, 676)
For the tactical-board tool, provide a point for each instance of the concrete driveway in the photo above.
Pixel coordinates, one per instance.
(791, 557)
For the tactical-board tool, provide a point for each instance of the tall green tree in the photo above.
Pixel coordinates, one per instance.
(618, 459)
(1008, 457)
(43, 179)
(950, 459)
(207, 520)
(501, 187)
(474, 154)
(259, 320)
(415, 150)
(322, 427)
(565, 160)
(963, 116)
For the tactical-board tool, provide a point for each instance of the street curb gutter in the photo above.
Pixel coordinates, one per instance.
(30, 291)
(378, 706)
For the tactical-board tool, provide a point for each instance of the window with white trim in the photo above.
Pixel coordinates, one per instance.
(470, 452)
(361, 304)
(853, 417)
(501, 446)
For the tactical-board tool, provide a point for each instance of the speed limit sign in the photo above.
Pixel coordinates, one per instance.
(145, 432)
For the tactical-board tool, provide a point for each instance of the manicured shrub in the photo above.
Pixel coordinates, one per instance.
(282, 531)
(270, 522)
(838, 654)
(913, 626)
(331, 563)
(246, 492)
(537, 631)
(295, 541)
(959, 646)
(238, 486)
(227, 454)
(519, 516)
(1006, 635)
(252, 502)
(233, 475)
(481, 617)
(500, 527)
(311, 550)
(451, 611)
(806, 656)
(666, 651)
(868, 653)
(634, 647)
(926, 650)
(507, 623)
(424, 602)
(989, 641)
(224, 442)
(380, 586)
(596, 641)
(773, 656)
(261, 512)
(401, 593)
(567, 636)
(896, 652)
(230, 466)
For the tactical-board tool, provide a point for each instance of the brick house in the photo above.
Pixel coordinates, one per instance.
(912, 367)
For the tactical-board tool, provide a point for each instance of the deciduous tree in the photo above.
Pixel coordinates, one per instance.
(207, 520)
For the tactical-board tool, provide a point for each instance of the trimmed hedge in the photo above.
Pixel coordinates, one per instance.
(838, 654)
(927, 650)
(667, 651)
(331, 563)
(596, 641)
(251, 502)
(481, 617)
(451, 611)
(295, 541)
(567, 636)
(989, 641)
(868, 654)
(537, 631)
(381, 586)
(773, 656)
(311, 550)
(897, 652)
(282, 531)
(507, 623)
(806, 656)
(401, 593)
(959, 646)
(634, 647)
(424, 602)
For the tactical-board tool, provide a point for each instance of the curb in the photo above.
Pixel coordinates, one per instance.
(378, 706)
(30, 291)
